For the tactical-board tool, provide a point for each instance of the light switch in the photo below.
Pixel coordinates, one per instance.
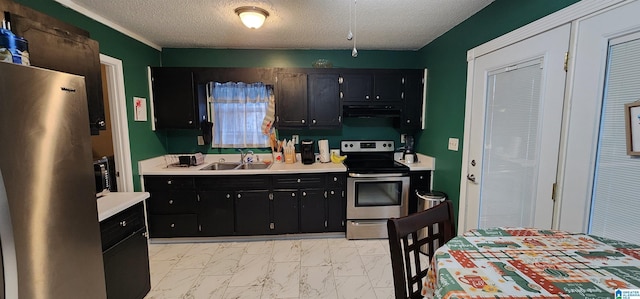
(295, 139)
(453, 144)
(200, 140)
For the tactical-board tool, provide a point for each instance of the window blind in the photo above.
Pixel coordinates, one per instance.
(615, 208)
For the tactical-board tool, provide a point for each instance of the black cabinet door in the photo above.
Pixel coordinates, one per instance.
(357, 87)
(216, 214)
(285, 212)
(336, 210)
(291, 100)
(312, 210)
(388, 86)
(411, 119)
(420, 181)
(57, 49)
(126, 268)
(252, 212)
(325, 108)
(175, 101)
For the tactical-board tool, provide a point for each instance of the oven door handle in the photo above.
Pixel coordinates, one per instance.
(375, 175)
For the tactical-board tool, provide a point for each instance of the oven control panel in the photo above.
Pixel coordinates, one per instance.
(354, 146)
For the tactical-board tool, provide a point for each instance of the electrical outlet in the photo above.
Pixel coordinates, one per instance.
(295, 139)
(200, 140)
(402, 138)
(453, 144)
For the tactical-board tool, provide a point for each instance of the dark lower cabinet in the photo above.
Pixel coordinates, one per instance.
(336, 210)
(312, 211)
(126, 254)
(126, 268)
(216, 210)
(284, 216)
(244, 205)
(252, 212)
(420, 181)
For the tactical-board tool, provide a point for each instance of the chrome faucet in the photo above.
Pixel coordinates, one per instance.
(243, 155)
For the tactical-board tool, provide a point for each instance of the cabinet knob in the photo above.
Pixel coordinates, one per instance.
(228, 195)
(408, 120)
(123, 223)
(293, 194)
(422, 177)
(239, 195)
(173, 225)
(101, 124)
(298, 180)
(170, 201)
(335, 179)
(303, 121)
(190, 122)
(333, 192)
(366, 97)
(304, 193)
(169, 182)
(314, 121)
(377, 97)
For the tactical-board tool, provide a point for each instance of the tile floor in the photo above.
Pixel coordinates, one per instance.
(305, 268)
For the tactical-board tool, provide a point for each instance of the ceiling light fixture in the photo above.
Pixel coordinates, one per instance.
(252, 16)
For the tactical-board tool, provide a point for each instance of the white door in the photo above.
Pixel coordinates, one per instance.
(515, 122)
(599, 187)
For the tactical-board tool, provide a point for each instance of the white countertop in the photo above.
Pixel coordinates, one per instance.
(116, 202)
(158, 166)
(424, 162)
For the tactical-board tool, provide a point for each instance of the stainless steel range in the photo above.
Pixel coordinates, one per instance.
(377, 187)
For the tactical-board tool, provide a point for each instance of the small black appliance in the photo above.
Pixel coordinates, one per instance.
(306, 152)
(409, 154)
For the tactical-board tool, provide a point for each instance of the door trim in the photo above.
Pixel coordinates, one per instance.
(119, 121)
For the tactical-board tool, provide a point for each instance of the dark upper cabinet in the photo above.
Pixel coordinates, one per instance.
(178, 102)
(291, 100)
(411, 118)
(325, 108)
(362, 87)
(308, 99)
(357, 87)
(58, 46)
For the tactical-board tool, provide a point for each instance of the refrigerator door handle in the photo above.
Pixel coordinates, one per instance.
(8, 262)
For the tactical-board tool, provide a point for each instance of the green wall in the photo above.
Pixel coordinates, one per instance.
(135, 57)
(446, 60)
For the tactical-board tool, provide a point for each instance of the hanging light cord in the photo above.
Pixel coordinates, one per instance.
(354, 52)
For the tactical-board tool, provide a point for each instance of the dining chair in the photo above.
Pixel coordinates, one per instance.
(415, 235)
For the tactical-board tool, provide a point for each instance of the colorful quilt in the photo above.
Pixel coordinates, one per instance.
(532, 263)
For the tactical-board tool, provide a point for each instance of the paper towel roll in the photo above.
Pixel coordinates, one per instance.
(323, 148)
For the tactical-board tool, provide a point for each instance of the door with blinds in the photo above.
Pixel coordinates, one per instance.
(601, 185)
(515, 123)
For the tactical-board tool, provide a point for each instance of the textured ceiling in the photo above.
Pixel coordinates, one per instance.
(292, 24)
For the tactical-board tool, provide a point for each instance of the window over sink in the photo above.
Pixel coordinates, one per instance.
(240, 113)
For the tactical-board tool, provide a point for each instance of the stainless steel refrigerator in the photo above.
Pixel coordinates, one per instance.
(49, 229)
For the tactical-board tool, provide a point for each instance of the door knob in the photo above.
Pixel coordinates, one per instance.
(471, 177)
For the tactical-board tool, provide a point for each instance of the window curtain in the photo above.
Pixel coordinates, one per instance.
(237, 113)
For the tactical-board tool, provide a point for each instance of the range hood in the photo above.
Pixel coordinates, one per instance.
(390, 111)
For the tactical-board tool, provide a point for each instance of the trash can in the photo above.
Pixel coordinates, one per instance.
(428, 200)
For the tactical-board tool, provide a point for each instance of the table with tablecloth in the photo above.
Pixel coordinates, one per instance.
(532, 263)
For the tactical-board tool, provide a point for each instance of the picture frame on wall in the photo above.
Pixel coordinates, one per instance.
(632, 121)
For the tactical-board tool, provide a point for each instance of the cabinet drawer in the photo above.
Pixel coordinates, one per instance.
(118, 227)
(154, 183)
(233, 182)
(173, 202)
(336, 180)
(299, 181)
(179, 225)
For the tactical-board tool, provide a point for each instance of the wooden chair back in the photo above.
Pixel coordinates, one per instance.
(428, 230)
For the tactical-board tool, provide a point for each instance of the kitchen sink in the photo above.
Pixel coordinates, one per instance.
(254, 166)
(221, 166)
(235, 166)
